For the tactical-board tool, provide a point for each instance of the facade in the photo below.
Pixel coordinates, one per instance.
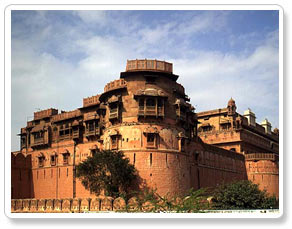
(227, 129)
(145, 114)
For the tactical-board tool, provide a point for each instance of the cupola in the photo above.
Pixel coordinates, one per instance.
(231, 107)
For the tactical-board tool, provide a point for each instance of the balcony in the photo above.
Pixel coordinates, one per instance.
(39, 142)
(114, 113)
(92, 132)
(75, 134)
(64, 137)
(150, 111)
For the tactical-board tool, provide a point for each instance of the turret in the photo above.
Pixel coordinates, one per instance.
(267, 125)
(250, 117)
(231, 107)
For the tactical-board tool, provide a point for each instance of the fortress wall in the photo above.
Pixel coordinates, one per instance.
(265, 173)
(167, 172)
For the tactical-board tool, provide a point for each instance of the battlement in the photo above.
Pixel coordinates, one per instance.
(153, 65)
(261, 156)
(89, 101)
(45, 113)
(66, 115)
(116, 84)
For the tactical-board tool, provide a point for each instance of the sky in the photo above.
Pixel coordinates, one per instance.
(60, 57)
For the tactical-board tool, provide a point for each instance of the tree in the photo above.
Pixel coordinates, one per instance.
(242, 195)
(106, 170)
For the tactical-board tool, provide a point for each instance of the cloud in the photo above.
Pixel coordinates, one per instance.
(92, 16)
(252, 80)
(66, 56)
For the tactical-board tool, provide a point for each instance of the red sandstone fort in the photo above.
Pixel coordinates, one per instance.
(147, 115)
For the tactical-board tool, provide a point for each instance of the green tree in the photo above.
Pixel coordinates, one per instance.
(242, 195)
(106, 170)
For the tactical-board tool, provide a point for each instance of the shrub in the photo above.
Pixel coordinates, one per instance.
(242, 195)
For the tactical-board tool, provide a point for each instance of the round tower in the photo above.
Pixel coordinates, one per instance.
(148, 117)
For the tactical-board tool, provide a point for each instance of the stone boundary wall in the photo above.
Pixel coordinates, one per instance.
(72, 205)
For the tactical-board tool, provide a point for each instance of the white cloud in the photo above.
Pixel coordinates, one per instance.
(211, 78)
(92, 16)
(44, 77)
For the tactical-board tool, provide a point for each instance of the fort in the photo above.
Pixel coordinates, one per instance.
(146, 115)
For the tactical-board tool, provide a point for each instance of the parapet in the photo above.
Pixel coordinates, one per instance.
(152, 65)
(45, 113)
(116, 84)
(66, 115)
(89, 101)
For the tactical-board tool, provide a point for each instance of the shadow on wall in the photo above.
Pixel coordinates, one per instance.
(21, 176)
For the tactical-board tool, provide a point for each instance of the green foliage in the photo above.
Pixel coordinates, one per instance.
(194, 202)
(106, 170)
(242, 195)
(150, 201)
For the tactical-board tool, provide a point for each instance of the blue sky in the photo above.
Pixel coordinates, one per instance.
(60, 57)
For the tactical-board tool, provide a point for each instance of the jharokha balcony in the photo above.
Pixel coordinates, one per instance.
(38, 142)
(114, 113)
(150, 111)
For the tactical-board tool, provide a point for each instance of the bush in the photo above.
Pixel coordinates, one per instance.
(242, 195)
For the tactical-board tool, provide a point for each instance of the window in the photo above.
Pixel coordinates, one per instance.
(207, 128)
(41, 161)
(38, 135)
(114, 141)
(150, 102)
(53, 160)
(141, 103)
(166, 159)
(225, 126)
(65, 130)
(114, 111)
(151, 106)
(151, 140)
(181, 112)
(134, 159)
(23, 141)
(182, 144)
(66, 158)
